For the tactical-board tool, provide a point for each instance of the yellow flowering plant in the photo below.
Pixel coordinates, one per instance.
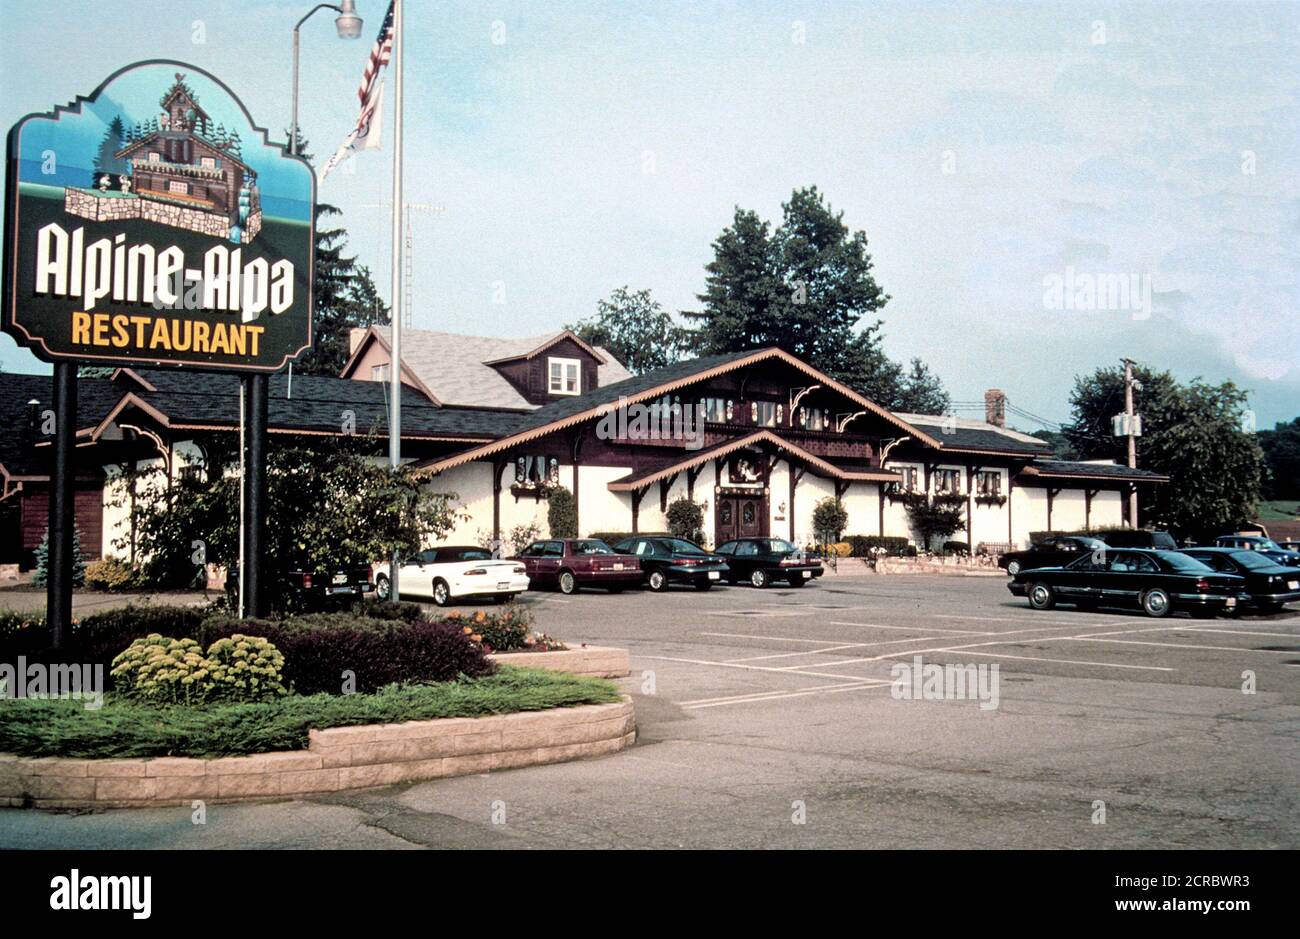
(175, 671)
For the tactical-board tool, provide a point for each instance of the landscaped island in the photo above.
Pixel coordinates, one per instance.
(206, 706)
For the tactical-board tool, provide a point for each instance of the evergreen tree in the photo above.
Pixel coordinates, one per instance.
(922, 391)
(806, 287)
(346, 295)
(106, 158)
(41, 576)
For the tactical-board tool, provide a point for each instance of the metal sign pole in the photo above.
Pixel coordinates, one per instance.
(59, 546)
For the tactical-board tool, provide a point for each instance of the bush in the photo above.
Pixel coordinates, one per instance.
(110, 574)
(829, 519)
(562, 514)
(685, 519)
(164, 670)
(500, 632)
(372, 608)
(612, 538)
(97, 639)
(894, 545)
(337, 653)
(124, 728)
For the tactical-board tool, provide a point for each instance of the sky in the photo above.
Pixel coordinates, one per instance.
(1003, 159)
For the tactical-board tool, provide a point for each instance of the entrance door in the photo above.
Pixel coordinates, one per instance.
(740, 517)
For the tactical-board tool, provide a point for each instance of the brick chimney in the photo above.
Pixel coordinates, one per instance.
(995, 407)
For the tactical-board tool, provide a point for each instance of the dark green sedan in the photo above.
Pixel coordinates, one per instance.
(762, 560)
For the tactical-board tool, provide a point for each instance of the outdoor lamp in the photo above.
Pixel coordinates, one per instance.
(348, 23)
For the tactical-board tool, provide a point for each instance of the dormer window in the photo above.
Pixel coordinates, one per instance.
(565, 376)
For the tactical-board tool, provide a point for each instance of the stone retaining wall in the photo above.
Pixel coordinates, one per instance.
(335, 759)
(596, 661)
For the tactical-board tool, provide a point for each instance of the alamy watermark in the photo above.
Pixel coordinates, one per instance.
(921, 682)
(25, 679)
(1077, 290)
(657, 421)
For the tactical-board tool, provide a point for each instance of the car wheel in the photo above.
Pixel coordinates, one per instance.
(568, 583)
(383, 589)
(1156, 603)
(657, 581)
(441, 593)
(1013, 568)
(758, 578)
(1041, 597)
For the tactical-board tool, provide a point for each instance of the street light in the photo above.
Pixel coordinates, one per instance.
(348, 25)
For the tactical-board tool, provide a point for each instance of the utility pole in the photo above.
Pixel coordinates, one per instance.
(1130, 427)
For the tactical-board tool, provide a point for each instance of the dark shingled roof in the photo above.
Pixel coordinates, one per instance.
(608, 394)
(1098, 470)
(19, 454)
(974, 438)
(318, 404)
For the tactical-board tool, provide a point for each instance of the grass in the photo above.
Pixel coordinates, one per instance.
(123, 729)
(1278, 510)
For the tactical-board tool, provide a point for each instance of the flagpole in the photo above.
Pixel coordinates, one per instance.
(395, 361)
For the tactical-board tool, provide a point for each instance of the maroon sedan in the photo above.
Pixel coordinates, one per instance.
(571, 563)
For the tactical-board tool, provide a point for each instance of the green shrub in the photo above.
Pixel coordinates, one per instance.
(97, 639)
(612, 538)
(110, 574)
(829, 519)
(164, 670)
(562, 514)
(126, 728)
(894, 545)
(685, 519)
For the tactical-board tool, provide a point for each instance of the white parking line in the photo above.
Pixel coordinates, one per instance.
(788, 670)
(1166, 645)
(852, 686)
(850, 645)
(776, 638)
(914, 629)
(765, 694)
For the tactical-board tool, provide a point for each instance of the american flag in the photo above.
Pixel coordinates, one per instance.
(366, 134)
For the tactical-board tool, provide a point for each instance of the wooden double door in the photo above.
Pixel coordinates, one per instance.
(743, 516)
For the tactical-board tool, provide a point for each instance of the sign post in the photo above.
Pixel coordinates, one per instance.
(153, 224)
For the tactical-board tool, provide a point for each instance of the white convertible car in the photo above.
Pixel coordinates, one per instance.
(454, 573)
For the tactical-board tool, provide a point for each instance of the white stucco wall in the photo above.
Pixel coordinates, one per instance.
(1107, 508)
(598, 508)
(862, 502)
(472, 484)
(1069, 510)
(1028, 513)
(811, 490)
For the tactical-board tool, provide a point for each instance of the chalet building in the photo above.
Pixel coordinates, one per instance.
(757, 438)
(183, 174)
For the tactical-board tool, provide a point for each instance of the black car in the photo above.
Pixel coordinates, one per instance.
(673, 560)
(311, 590)
(1156, 582)
(762, 560)
(1050, 552)
(1138, 538)
(1268, 583)
(1265, 546)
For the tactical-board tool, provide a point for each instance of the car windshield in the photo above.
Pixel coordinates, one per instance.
(679, 546)
(1253, 560)
(590, 547)
(778, 546)
(1183, 563)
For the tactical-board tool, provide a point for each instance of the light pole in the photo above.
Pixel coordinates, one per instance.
(256, 387)
(348, 24)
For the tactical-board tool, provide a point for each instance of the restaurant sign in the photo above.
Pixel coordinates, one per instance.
(153, 223)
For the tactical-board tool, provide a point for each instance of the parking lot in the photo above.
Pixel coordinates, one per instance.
(766, 718)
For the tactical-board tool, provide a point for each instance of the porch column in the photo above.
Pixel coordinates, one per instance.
(880, 506)
(498, 467)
